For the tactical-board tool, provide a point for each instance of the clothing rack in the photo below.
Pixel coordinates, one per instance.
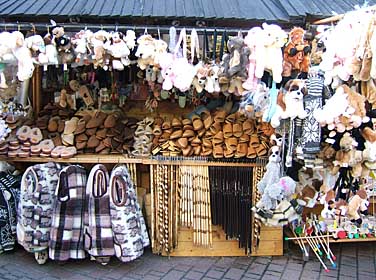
(28, 26)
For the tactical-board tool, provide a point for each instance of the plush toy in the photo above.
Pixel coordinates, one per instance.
(273, 170)
(160, 48)
(130, 39)
(274, 193)
(347, 156)
(36, 44)
(234, 64)
(97, 41)
(119, 51)
(369, 153)
(145, 51)
(51, 51)
(254, 103)
(168, 75)
(81, 42)
(290, 104)
(212, 80)
(3, 81)
(7, 43)
(358, 204)
(60, 39)
(202, 72)
(4, 130)
(334, 107)
(270, 56)
(23, 55)
(184, 73)
(254, 41)
(296, 53)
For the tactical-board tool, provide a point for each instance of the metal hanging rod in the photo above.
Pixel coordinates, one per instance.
(121, 27)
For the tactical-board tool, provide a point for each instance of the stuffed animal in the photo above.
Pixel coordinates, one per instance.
(168, 75)
(254, 103)
(212, 80)
(4, 130)
(283, 189)
(81, 42)
(270, 56)
(290, 104)
(7, 43)
(119, 51)
(97, 41)
(60, 39)
(234, 65)
(51, 51)
(369, 153)
(184, 73)
(160, 48)
(254, 41)
(273, 170)
(296, 53)
(358, 204)
(145, 51)
(202, 72)
(23, 55)
(130, 39)
(36, 44)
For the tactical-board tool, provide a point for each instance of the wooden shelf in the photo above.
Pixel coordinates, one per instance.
(118, 158)
(89, 158)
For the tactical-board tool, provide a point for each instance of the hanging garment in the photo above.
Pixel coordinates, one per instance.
(35, 209)
(128, 224)
(9, 197)
(311, 136)
(67, 227)
(99, 242)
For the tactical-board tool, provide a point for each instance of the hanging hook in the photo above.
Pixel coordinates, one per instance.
(159, 33)
(116, 27)
(146, 31)
(18, 26)
(33, 28)
(48, 29)
(101, 26)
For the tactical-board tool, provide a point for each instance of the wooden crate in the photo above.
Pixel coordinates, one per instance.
(271, 244)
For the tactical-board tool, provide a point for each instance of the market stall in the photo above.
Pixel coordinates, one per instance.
(222, 136)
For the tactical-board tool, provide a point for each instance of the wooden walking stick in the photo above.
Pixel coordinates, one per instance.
(152, 229)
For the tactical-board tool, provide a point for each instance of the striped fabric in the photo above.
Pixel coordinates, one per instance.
(67, 228)
(98, 232)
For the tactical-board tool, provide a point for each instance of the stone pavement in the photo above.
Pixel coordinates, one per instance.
(355, 261)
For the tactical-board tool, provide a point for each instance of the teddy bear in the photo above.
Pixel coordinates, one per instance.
(358, 204)
(145, 51)
(36, 44)
(273, 170)
(290, 104)
(184, 73)
(254, 41)
(60, 39)
(270, 56)
(7, 43)
(296, 53)
(369, 153)
(97, 41)
(274, 193)
(160, 48)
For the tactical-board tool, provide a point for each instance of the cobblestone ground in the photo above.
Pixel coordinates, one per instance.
(355, 261)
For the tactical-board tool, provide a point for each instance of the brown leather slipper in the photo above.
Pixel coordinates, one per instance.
(92, 142)
(176, 122)
(220, 116)
(90, 131)
(101, 133)
(241, 150)
(227, 130)
(218, 151)
(81, 126)
(56, 138)
(197, 123)
(100, 147)
(110, 121)
(53, 124)
(237, 129)
(251, 152)
(218, 138)
(166, 125)
(61, 126)
(81, 138)
(81, 145)
(188, 133)
(182, 142)
(176, 134)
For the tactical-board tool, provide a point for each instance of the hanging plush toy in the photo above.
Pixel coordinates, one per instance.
(23, 55)
(51, 51)
(296, 54)
(97, 41)
(36, 44)
(270, 55)
(81, 46)
(273, 169)
(290, 104)
(119, 50)
(62, 43)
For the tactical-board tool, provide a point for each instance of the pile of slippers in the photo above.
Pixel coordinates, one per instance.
(217, 134)
(143, 138)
